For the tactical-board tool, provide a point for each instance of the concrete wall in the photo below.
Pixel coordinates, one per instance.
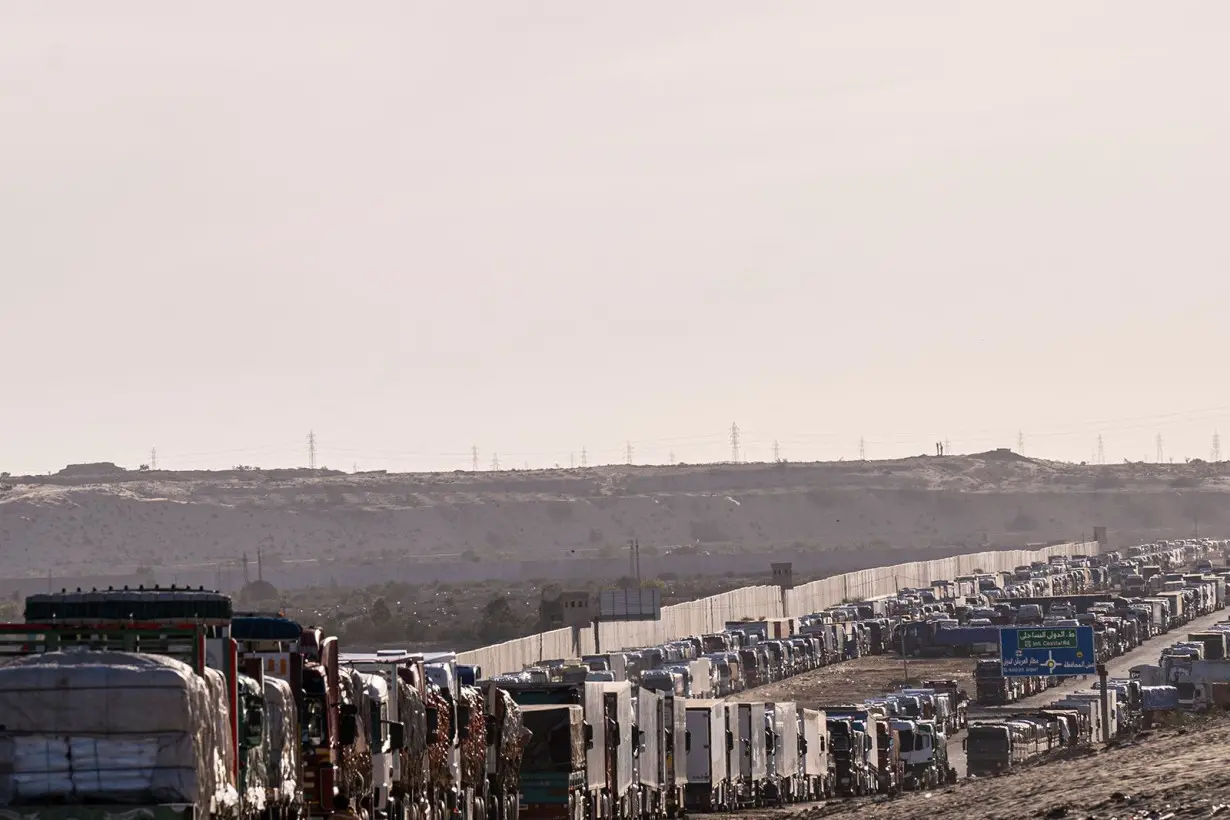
(711, 614)
(228, 576)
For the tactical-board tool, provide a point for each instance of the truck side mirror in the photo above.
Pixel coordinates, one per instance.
(730, 741)
(589, 736)
(803, 745)
(397, 736)
(348, 729)
(433, 726)
(463, 721)
(687, 741)
(616, 736)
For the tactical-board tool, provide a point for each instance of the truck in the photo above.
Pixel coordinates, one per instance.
(610, 738)
(162, 738)
(784, 783)
(814, 752)
(309, 662)
(554, 783)
(708, 745)
(752, 753)
(852, 776)
(649, 757)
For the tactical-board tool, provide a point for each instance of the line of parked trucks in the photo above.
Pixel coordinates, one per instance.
(1121, 622)
(169, 702)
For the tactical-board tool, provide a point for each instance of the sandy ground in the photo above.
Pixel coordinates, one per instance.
(1174, 769)
(856, 680)
(93, 520)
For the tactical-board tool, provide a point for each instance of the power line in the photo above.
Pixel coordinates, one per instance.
(777, 452)
(474, 458)
(1020, 443)
(495, 462)
(153, 458)
(1161, 459)
(628, 452)
(862, 449)
(311, 449)
(734, 443)
(1215, 455)
(584, 458)
(1101, 450)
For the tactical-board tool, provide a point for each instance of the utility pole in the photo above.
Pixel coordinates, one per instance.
(947, 447)
(153, 458)
(777, 453)
(1160, 454)
(862, 449)
(584, 458)
(1216, 454)
(311, 450)
(634, 554)
(495, 462)
(734, 443)
(1020, 443)
(1101, 450)
(474, 458)
(905, 662)
(671, 458)
(628, 452)
(572, 462)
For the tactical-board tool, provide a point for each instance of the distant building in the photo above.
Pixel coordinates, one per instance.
(568, 609)
(98, 469)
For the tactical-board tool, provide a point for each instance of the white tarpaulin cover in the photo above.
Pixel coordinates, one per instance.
(113, 727)
(282, 721)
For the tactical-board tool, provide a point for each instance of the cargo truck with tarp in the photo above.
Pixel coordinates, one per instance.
(92, 725)
(308, 661)
(130, 619)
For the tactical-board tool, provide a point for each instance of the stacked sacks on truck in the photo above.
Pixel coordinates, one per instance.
(285, 758)
(439, 766)
(354, 774)
(115, 728)
(508, 743)
(254, 744)
(473, 730)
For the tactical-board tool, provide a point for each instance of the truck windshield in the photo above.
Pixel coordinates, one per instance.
(987, 743)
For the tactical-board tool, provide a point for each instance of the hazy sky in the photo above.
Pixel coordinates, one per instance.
(536, 226)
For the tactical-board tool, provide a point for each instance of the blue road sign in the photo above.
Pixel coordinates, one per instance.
(1061, 650)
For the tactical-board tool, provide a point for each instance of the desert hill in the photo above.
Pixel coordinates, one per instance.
(100, 519)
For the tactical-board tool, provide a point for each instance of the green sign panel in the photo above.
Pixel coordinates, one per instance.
(1046, 639)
